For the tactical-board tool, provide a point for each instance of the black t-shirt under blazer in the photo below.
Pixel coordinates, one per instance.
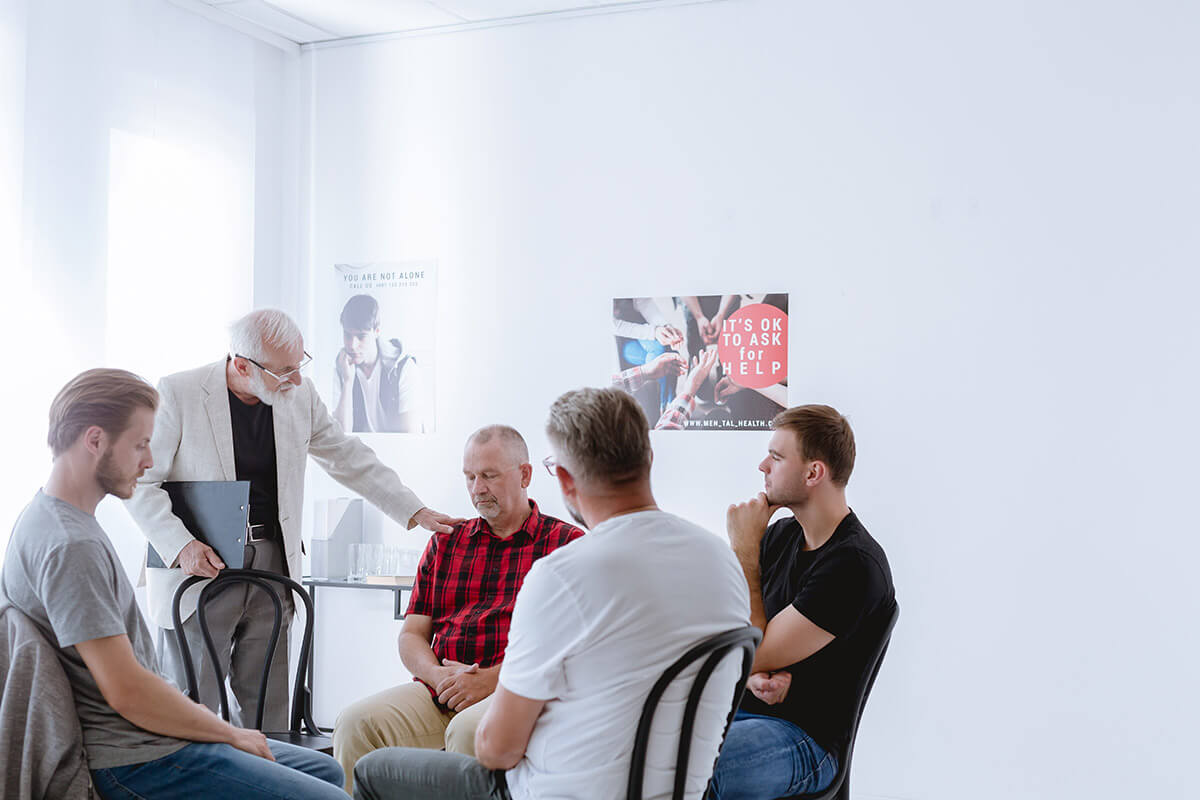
(254, 459)
(843, 587)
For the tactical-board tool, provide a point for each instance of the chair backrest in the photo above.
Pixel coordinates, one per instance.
(715, 648)
(41, 740)
(301, 711)
(862, 690)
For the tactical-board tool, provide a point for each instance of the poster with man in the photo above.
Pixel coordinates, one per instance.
(383, 373)
(704, 362)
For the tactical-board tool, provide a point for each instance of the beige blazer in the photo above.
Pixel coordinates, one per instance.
(193, 441)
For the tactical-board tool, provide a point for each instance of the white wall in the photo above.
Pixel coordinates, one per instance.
(13, 272)
(153, 156)
(986, 218)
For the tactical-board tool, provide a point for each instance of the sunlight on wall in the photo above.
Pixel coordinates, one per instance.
(178, 273)
(14, 274)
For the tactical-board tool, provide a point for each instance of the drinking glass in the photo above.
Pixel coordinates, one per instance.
(408, 562)
(374, 559)
(357, 566)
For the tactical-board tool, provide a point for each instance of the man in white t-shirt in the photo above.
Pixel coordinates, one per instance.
(595, 625)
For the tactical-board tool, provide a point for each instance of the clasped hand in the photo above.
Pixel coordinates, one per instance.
(463, 685)
(746, 523)
(770, 687)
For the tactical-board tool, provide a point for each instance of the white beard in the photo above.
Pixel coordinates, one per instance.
(258, 388)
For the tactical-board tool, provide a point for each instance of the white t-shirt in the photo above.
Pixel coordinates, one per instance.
(408, 399)
(370, 387)
(595, 624)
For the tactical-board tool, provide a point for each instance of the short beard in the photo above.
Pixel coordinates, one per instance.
(575, 515)
(111, 481)
(258, 388)
(493, 510)
(798, 499)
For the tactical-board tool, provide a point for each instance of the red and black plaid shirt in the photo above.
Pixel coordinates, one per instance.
(468, 580)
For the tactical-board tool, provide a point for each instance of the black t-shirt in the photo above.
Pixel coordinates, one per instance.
(254, 458)
(843, 587)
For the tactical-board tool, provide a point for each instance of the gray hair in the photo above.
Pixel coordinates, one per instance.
(267, 327)
(507, 434)
(601, 435)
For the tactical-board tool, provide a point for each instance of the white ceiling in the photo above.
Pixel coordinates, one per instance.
(309, 21)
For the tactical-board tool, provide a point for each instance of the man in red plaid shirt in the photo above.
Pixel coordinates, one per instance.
(456, 627)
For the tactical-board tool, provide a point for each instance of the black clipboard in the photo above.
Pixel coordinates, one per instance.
(215, 512)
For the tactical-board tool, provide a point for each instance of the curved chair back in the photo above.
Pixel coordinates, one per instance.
(840, 788)
(301, 711)
(715, 648)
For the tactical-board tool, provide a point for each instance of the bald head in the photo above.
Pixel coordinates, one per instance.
(508, 437)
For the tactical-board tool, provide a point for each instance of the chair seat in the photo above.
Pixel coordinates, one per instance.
(321, 744)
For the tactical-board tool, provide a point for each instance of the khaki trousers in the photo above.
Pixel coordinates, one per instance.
(403, 716)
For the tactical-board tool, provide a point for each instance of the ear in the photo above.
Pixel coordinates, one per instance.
(817, 472)
(241, 366)
(526, 475)
(566, 482)
(95, 439)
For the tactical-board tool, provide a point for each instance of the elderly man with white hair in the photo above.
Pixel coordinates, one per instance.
(250, 416)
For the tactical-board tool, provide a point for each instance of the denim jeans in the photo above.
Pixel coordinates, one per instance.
(410, 773)
(765, 757)
(204, 769)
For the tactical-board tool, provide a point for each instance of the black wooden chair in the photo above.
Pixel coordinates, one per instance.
(840, 788)
(716, 648)
(302, 730)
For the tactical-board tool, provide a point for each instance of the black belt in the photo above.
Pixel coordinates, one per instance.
(261, 532)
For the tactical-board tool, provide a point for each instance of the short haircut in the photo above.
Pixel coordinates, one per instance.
(822, 434)
(361, 313)
(602, 436)
(104, 397)
(507, 434)
(251, 335)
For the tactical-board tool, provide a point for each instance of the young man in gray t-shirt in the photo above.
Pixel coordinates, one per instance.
(142, 736)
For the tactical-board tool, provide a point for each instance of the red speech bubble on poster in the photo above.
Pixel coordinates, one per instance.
(753, 346)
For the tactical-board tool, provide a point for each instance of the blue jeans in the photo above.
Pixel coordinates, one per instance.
(204, 769)
(410, 773)
(766, 757)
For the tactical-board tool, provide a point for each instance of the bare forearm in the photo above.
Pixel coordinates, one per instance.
(758, 616)
(418, 658)
(726, 304)
(157, 706)
(491, 757)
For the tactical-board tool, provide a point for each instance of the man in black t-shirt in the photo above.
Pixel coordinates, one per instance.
(820, 587)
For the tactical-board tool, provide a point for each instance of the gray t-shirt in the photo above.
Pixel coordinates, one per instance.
(62, 572)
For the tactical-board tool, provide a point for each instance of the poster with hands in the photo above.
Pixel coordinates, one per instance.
(704, 362)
